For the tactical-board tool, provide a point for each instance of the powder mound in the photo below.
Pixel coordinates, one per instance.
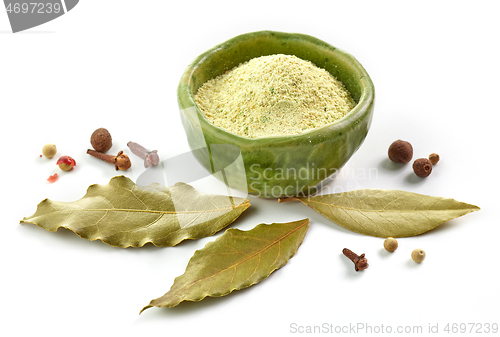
(273, 95)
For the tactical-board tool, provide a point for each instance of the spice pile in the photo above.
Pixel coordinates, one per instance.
(274, 95)
(102, 141)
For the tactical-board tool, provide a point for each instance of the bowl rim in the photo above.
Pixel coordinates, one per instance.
(361, 109)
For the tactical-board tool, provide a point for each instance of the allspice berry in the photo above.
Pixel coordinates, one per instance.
(400, 151)
(418, 255)
(434, 158)
(49, 150)
(101, 140)
(390, 244)
(422, 167)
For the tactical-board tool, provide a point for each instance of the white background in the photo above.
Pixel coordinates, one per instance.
(116, 64)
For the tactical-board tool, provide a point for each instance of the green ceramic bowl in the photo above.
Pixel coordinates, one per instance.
(277, 166)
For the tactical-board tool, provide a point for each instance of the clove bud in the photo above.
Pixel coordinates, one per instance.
(360, 261)
(150, 157)
(121, 160)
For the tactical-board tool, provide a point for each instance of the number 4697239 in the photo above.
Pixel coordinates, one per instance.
(33, 8)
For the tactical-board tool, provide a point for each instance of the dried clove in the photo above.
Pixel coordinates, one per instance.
(121, 160)
(150, 157)
(360, 262)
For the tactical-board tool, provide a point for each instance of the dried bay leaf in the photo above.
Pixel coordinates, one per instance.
(385, 213)
(122, 214)
(235, 260)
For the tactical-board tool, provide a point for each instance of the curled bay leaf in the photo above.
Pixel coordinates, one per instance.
(236, 260)
(385, 213)
(123, 214)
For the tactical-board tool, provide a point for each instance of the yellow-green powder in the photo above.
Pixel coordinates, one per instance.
(273, 95)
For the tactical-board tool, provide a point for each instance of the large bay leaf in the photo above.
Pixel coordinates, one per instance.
(122, 214)
(236, 260)
(385, 213)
